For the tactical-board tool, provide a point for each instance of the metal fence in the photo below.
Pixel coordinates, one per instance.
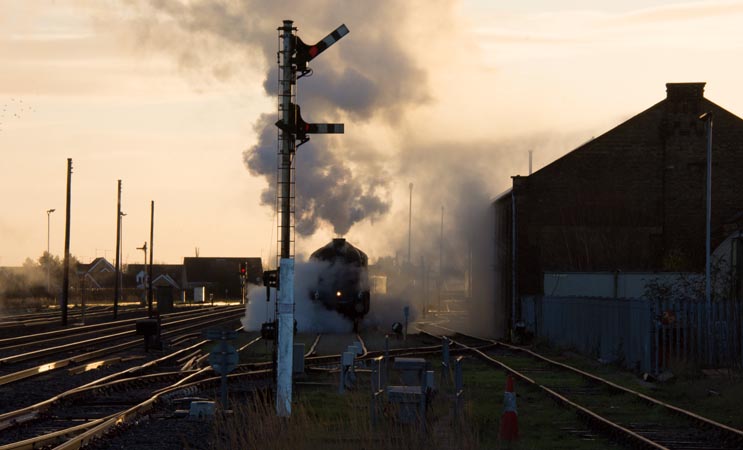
(644, 335)
(694, 332)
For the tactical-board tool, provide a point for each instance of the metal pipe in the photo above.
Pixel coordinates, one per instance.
(530, 153)
(66, 269)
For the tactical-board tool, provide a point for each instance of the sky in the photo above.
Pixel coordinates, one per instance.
(177, 99)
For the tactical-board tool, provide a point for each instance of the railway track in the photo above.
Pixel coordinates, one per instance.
(35, 320)
(83, 413)
(45, 339)
(20, 388)
(106, 407)
(627, 416)
(86, 413)
(11, 371)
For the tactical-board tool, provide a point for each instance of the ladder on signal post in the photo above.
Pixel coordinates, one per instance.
(285, 174)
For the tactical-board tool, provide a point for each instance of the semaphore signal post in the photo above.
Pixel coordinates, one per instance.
(294, 55)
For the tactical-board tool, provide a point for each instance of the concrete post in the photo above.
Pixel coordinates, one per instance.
(286, 338)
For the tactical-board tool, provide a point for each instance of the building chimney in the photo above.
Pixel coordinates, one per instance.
(684, 91)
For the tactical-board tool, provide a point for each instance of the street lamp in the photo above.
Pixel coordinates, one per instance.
(48, 265)
(707, 117)
(144, 270)
(121, 238)
(410, 224)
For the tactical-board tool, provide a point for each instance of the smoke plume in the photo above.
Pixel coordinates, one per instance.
(371, 76)
(379, 82)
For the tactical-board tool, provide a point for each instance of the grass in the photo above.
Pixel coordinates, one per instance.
(717, 398)
(542, 423)
(322, 418)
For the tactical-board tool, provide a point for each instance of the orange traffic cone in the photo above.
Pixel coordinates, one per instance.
(509, 422)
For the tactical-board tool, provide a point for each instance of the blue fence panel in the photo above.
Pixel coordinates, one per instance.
(643, 335)
(613, 330)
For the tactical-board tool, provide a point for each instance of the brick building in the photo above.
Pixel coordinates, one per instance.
(632, 199)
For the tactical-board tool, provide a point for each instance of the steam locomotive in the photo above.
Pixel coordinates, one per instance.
(343, 283)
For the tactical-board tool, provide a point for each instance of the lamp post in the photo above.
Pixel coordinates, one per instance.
(707, 117)
(144, 269)
(121, 257)
(48, 265)
(410, 224)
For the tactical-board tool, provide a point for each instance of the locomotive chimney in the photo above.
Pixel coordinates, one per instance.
(339, 242)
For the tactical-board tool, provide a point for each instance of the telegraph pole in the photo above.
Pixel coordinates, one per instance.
(118, 251)
(66, 274)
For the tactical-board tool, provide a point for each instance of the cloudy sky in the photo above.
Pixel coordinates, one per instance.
(175, 98)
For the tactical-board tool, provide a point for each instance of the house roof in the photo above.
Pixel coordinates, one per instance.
(174, 272)
(99, 264)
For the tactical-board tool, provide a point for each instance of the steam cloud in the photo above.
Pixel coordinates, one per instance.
(311, 316)
(330, 189)
(369, 77)
(366, 77)
(371, 80)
